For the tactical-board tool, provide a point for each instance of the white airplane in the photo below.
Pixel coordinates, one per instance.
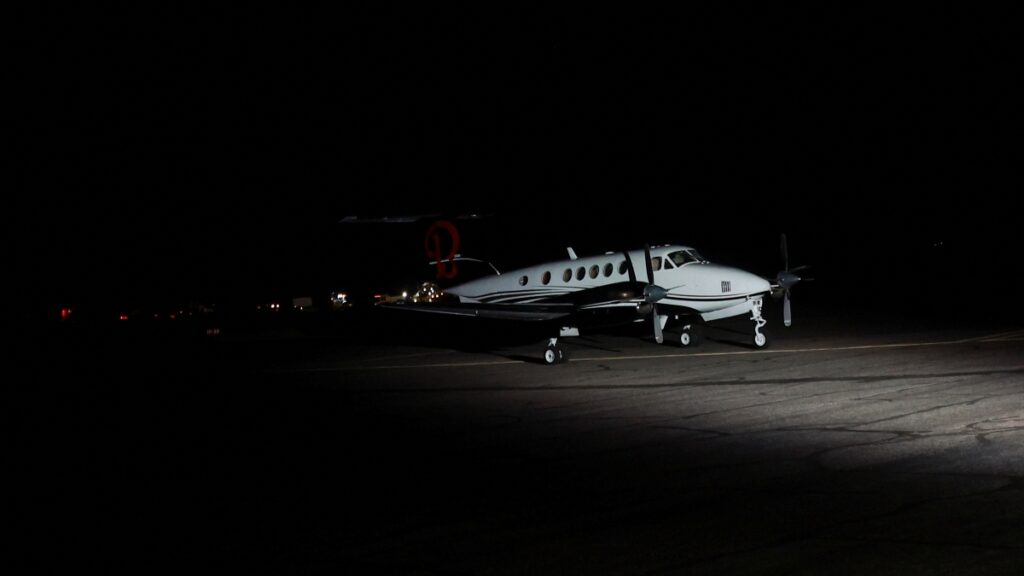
(681, 287)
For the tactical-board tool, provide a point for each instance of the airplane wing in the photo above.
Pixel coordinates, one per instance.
(524, 312)
(625, 296)
(408, 218)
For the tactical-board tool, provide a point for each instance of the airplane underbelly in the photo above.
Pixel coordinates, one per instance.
(703, 304)
(744, 306)
(714, 307)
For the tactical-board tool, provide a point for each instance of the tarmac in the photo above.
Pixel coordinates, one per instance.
(842, 448)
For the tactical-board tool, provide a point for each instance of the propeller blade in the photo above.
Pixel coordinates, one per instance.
(659, 337)
(651, 291)
(629, 268)
(787, 314)
(647, 262)
(784, 248)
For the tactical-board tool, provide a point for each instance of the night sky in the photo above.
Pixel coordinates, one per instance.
(170, 154)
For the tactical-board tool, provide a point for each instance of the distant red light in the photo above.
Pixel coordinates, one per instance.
(122, 317)
(65, 313)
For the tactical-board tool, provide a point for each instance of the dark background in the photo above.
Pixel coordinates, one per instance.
(166, 155)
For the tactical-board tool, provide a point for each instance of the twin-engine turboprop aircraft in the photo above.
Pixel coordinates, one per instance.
(681, 291)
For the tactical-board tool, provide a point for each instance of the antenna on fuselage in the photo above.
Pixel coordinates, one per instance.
(572, 253)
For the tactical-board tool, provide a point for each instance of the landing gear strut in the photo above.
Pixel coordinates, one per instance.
(555, 353)
(760, 339)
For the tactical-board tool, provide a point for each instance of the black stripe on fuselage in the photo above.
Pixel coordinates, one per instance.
(500, 293)
(709, 298)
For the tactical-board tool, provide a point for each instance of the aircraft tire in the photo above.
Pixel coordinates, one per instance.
(555, 355)
(760, 340)
(690, 337)
(550, 355)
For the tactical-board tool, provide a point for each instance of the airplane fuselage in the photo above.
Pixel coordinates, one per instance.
(693, 284)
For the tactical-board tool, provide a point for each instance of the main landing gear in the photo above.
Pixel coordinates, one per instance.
(555, 353)
(760, 339)
(689, 335)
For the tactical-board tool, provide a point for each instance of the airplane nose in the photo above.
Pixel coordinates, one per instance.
(747, 283)
(732, 280)
(760, 284)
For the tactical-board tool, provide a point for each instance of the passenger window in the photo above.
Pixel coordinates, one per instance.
(623, 267)
(594, 271)
(656, 263)
(545, 278)
(567, 275)
(608, 269)
(523, 280)
(580, 273)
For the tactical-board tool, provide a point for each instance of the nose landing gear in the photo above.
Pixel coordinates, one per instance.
(760, 339)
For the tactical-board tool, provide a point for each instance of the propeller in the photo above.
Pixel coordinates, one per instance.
(786, 279)
(651, 291)
(629, 268)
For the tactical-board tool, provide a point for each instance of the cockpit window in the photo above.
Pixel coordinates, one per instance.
(681, 257)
